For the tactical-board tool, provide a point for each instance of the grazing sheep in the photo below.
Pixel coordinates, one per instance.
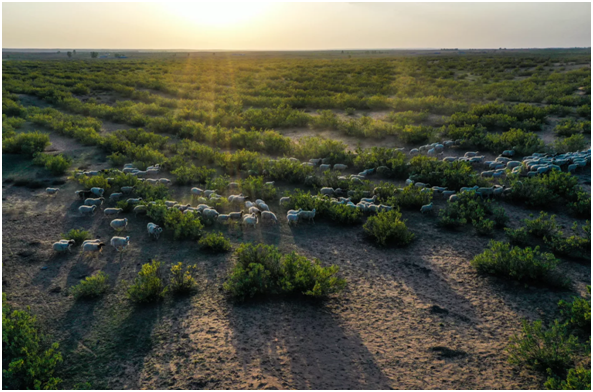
(420, 185)
(263, 207)
(98, 191)
(470, 154)
(151, 181)
(165, 181)
(449, 159)
(115, 196)
(293, 219)
(197, 191)
(315, 161)
(51, 191)
(120, 243)
(236, 215)
(487, 174)
(327, 191)
(293, 212)
(63, 245)
(210, 213)
(95, 241)
(233, 185)
(453, 198)
(94, 202)
(254, 210)
(325, 167)
(308, 215)
(140, 210)
(83, 194)
(267, 216)
(369, 200)
(249, 204)
(513, 164)
(119, 224)
(170, 203)
(508, 153)
(250, 220)
(127, 189)
(340, 166)
(129, 170)
(414, 151)
(270, 183)
(239, 199)
(284, 200)
(293, 160)
(572, 168)
(132, 201)
(87, 210)
(426, 208)
(112, 211)
(91, 247)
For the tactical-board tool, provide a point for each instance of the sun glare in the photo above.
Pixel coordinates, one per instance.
(216, 14)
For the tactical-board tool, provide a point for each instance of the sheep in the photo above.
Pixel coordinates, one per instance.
(467, 189)
(119, 224)
(340, 166)
(140, 210)
(420, 185)
(308, 164)
(267, 216)
(134, 201)
(197, 191)
(309, 215)
(508, 153)
(165, 181)
(94, 202)
(115, 196)
(63, 245)
(485, 191)
(263, 207)
(513, 164)
(409, 181)
(447, 194)
(293, 160)
(284, 200)
(249, 204)
(292, 219)
(293, 212)
(239, 199)
(210, 213)
(470, 154)
(95, 241)
(233, 185)
(270, 183)
(97, 191)
(572, 168)
(51, 191)
(120, 243)
(151, 181)
(432, 151)
(236, 215)
(126, 190)
(140, 173)
(449, 159)
(326, 191)
(170, 203)
(315, 161)
(487, 174)
(254, 210)
(87, 210)
(112, 211)
(129, 170)
(426, 208)
(202, 207)
(453, 198)
(83, 194)
(414, 151)
(369, 200)
(93, 247)
(129, 166)
(221, 218)
(250, 220)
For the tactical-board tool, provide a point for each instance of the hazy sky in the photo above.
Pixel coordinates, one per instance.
(294, 26)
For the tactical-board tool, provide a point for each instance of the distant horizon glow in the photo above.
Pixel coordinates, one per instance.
(224, 26)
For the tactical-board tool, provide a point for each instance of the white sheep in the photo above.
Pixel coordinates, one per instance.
(154, 230)
(250, 220)
(340, 166)
(94, 202)
(236, 215)
(87, 210)
(120, 243)
(263, 207)
(90, 247)
(132, 201)
(98, 191)
(293, 219)
(127, 189)
(115, 196)
(51, 191)
(308, 215)
(140, 210)
(165, 181)
(326, 191)
(267, 216)
(325, 167)
(221, 218)
(170, 203)
(112, 211)
(210, 213)
(284, 200)
(119, 224)
(426, 208)
(63, 245)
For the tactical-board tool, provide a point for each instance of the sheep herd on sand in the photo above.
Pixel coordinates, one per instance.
(258, 212)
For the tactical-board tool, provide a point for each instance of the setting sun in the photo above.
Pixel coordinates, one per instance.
(216, 14)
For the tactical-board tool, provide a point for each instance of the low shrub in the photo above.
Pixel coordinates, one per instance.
(56, 164)
(548, 189)
(574, 246)
(78, 235)
(91, 287)
(524, 265)
(542, 226)
(256, 188)
(467, 208)
(410, 198)
(29, 360)
(182, 281)
(518, 236)
(569, 127)
(148, 285)
(192, 175)
(264, 270)
(181, 225)
(578, 378)
(452, 175)
(215, 242)
(388, 228)
(29, 143)
(500, 217)
(543, 349)
(570, 144)
(577, 313)
(344, 215)
(483, 226)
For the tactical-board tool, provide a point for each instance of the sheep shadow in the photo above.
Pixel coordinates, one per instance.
(295, 343)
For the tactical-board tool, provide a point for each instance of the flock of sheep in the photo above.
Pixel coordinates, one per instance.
(93, 198)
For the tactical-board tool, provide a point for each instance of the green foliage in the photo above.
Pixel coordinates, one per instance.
(78, 235)
(182, 225)
(192, 175)
(548, 189)
(29, 361)
(388, 228)
(411, 198)
(578, 313)
(182, 282)
(518, 236)
(578, 378)
(483, 226)
(569, 127)
(452, 175)
(524, 265)
(572, 143)
(584, 111)
(344, 215)
(215, 242)
(500, 217)
(148, 285)
(542, 226)
(467, 208)
(91, 287)
(256, 188)
(543, 349)
(264, 270)
(29, 143)
(56, 164)
(573, 246)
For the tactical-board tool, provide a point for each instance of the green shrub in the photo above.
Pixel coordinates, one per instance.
(29, 361)
(264, 270)
(181, 225)
(547, 189)
(500, 217)
(91, 287)
(192, 175)
(543, 349)
(56, 164)
(569, 127)
(524, 265)
(410, 198)
(452, 175)
(578, 313)
(483, 226)
(256, 188)
(584, 111)
(29, 143)
(570, 144)
(215, 242)
(518, 236)
(344, 215)
(148, 285)
(467, 208)
(573, 246)
(581, 206)
(78, 235)
(542, 226)
(387, 228)
(578, 378)
(182, 282)
(350, 111)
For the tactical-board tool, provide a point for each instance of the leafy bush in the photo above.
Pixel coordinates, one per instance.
(467, 208)
(181, 225)
(543, 349)
(517, 236)
(452, 175)
(91, 287)
(344, 215)
(78, 235)
(263, 270)
(411, 197)
(191, 174)
(182, 282)
(483, 226)
(256, 188)
(547, 190)
(148, 285)
(29, 143)
(569, 127)
(542, 226)
(524, 265)
(28, 359)
(56, 164)
(215, 242)
(387, 228)
(570, 144)
(500, 217)
(578, 378)
(578, 313)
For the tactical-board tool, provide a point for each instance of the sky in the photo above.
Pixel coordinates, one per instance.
(294, 26)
